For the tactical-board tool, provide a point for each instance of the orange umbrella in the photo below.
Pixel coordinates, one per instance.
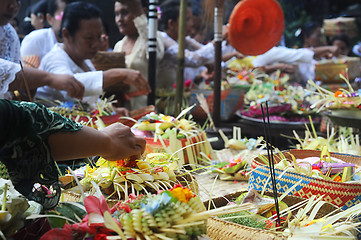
(255, 26)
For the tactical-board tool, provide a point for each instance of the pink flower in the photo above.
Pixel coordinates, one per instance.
(96, 207)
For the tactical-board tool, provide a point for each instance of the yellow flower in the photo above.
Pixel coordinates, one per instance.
(182, 194)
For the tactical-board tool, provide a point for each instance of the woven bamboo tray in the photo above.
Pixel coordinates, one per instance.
(104, 60)
(218, 229)
(341, 194)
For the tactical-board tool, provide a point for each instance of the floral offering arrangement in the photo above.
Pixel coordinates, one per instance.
(323, 167)
(235, 169)
(341, 99)
(287, 103)
(176, 213)
(86, 114)
(119, 179)
(80, 109)
(174, 135)
(160, 125)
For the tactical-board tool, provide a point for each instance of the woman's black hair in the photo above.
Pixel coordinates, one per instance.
(342, 37)
(53, 5)
(77, 11)
(40, 7)
(169, 11)
(308, 29)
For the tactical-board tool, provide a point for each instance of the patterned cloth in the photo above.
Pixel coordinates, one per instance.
(24, 149)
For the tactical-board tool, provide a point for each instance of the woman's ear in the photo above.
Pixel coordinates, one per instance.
(49, 18)
(171, 24)
(65, 34)
(42, 17)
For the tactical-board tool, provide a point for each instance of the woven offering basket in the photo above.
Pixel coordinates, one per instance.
(68, 196)
(104, 60)
(218, 229)
(328, 71)
(341, 194)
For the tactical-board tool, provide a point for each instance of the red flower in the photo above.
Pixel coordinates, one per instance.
(59, 233)
(100, 237)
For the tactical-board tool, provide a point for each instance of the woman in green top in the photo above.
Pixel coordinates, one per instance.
(32, 137)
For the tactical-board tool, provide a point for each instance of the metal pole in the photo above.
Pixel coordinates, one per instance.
(152, 49)
(218, 17)
(181, 45)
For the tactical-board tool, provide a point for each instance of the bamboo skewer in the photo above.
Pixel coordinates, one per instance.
(267, 132)
(26, 83)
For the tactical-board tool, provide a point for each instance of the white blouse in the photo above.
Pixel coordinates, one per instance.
(58, 61)
(284, 55)
(38, 43)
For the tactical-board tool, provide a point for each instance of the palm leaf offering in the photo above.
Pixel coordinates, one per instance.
(176, 213)
(175, 135)
(321, 167)
(14, 209)
(287, 102)
(119, 179)
(341, 99)
(343, 141)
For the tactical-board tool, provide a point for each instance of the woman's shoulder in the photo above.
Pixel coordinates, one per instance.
(55, 57)
(118, 46)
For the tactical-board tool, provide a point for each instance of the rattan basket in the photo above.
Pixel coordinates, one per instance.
(341, 194)
(104, 60)
(218, 229)
(328, 71)
(68, 196)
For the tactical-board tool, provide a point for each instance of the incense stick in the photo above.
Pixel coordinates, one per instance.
(26, 82)
(267, 133)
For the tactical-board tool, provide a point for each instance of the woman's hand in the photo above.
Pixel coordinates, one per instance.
(68, 83)
(127, 76)
(122, 142)
(122, 111)
(112, 143)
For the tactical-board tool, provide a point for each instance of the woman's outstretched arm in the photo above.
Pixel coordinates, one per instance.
(114, 142)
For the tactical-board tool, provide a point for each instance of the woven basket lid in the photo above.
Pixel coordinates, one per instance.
(104, 60)
(255, 26)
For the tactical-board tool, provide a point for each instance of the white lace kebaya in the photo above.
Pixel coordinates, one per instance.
(9, 44)
(8, 71)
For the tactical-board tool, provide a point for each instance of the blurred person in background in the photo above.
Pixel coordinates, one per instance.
(81, 30)
(131, 19)
(38, 14)
(11, 76)
(39, 42)
(342, 41)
